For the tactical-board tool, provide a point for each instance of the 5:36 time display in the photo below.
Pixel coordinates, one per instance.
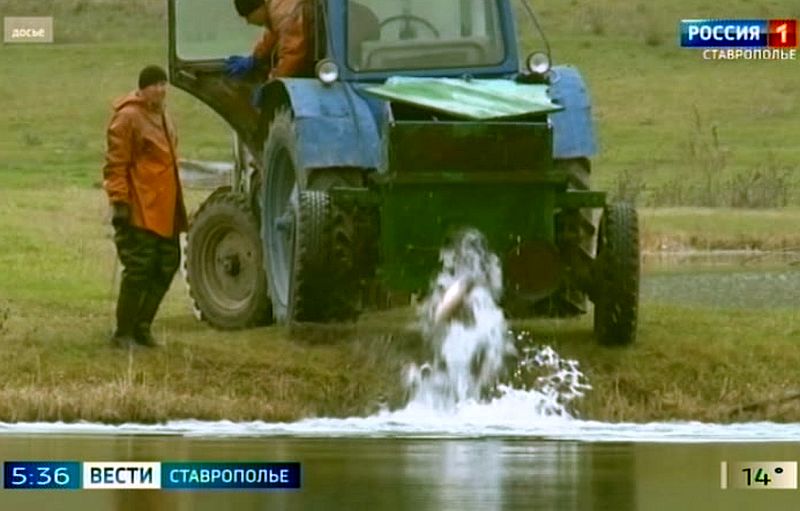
(41, 475)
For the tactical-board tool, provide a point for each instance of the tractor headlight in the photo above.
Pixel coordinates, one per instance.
(538, 63)
(327, 71)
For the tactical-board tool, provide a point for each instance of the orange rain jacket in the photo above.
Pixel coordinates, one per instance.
(290, 33)
(141, 167)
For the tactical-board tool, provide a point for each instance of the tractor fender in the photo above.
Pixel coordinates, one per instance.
(573, 128)
(334, 125)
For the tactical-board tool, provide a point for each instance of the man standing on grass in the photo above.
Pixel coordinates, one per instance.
(141, 179)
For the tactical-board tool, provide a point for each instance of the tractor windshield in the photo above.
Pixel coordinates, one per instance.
(423, 34)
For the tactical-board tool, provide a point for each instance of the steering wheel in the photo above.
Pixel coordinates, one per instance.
(408, 18)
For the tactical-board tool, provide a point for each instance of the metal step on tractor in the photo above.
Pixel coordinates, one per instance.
(347, 182)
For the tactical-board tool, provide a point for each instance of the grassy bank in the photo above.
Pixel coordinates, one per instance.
(62, 368)
(689, 363)
(56, 308)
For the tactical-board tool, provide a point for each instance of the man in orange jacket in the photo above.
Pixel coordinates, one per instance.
(289, 34)
(141, 179)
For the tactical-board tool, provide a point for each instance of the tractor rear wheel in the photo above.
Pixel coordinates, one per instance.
(616, 293)
(224, 269)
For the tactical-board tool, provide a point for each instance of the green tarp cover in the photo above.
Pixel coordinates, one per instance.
(471, 99)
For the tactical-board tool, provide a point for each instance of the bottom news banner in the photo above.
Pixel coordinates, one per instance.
(134, 475)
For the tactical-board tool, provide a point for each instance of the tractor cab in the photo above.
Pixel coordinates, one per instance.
(419, 37)
(364, 40)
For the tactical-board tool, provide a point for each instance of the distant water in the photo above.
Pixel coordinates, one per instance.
(422, 474)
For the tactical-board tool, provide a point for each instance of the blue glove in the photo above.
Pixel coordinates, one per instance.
(237, 66)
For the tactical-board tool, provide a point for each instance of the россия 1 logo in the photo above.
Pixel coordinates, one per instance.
(774, 39)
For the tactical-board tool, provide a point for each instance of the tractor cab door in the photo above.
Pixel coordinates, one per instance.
(202, 33)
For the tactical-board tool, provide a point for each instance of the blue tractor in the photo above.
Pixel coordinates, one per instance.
(348, 182)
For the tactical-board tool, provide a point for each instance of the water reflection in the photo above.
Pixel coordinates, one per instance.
(467, 473)
(422, 474)
(720, 260)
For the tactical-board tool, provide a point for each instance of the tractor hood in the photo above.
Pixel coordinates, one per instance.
(469, 99)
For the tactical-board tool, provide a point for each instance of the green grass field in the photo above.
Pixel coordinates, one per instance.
(675, 229)
(657, 107)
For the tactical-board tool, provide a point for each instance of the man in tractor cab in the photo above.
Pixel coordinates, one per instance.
(289, 34)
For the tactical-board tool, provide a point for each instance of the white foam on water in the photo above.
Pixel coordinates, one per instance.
(497, 420)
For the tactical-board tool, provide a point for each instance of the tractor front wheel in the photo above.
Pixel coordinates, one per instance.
(311, 293)
(616, 290)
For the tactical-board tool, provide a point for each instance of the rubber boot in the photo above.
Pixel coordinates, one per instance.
(150, 303)
(128, 306)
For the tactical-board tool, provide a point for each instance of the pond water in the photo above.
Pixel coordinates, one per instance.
(422, 473)
(736, 279)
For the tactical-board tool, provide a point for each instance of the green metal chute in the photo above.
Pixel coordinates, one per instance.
(469, 99)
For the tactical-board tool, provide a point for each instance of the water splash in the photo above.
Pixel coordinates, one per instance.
(468, 347)
(472, 345)
(556, 381)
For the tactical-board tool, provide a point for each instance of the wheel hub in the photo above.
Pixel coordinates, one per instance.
(231, 265)
(231, 277)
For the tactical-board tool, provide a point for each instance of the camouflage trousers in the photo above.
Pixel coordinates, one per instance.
(149, 264)
(148, 259)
